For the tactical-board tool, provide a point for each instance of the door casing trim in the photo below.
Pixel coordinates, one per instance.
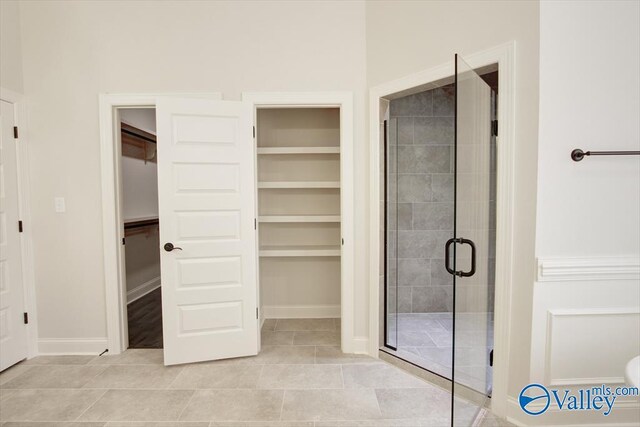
(504, 56)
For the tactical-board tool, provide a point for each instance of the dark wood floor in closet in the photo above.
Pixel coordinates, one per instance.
(145, 321)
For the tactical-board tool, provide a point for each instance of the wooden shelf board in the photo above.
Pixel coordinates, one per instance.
(298, 150)
(299, 184)
(299, 218)
(139, 219)
(299, 251)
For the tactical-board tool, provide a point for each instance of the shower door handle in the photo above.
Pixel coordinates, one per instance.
(473, 257)
(447, 251)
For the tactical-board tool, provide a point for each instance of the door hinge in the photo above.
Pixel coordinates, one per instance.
(494, 127)
(15, 132)
(342, 241)
(26, 318)
(20, 228)
(491, 358)
(123, 240)
(257, 316)
(254, 131)
(255, 223)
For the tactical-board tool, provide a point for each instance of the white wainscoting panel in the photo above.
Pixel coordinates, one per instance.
(590, 346)
(585, 328)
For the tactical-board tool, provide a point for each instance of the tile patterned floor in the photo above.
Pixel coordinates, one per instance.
(300, 379)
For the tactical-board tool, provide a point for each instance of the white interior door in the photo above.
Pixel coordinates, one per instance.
(13, 331)
(206, 194)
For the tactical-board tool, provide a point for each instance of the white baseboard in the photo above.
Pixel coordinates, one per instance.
(143, 289)
(64, 346)
(300, 311)
(361, 345)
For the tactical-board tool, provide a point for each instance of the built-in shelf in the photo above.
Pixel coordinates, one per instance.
(143, 225)
(299, 184)
(141, 218)
(299, 218)
(299, 150)
(299, 251)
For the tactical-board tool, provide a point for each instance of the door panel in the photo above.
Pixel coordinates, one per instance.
(473, 319)
(207, 209)
(13, 334)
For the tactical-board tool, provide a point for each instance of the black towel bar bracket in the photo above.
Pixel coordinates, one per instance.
(578, 154)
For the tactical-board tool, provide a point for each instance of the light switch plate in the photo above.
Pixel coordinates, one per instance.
(60, 204)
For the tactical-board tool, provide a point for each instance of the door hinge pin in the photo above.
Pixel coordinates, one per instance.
(254, 131)
(494, 127)
(255, 223)
(257, 316)
(15, 132)
(123, 240)
(20, 227)
(26, 318)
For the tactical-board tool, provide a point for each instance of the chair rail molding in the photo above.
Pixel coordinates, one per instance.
(593, 268)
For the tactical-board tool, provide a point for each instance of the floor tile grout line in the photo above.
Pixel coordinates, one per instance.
(168, 386)
(187, 405)
(259, 377)
(284, 394)
(92, 405)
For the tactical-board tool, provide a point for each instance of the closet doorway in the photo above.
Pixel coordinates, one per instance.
(299, 224)
(141, 242)
(304, 155)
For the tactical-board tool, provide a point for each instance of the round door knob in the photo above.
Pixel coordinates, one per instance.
(169, 247)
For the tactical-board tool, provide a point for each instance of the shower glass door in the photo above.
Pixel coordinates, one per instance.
(468, 253)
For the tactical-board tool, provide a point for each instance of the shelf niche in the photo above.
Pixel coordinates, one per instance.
(298, 159)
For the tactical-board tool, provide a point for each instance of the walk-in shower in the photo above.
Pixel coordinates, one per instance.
(439, 195)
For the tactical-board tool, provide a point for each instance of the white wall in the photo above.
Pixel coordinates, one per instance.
(589, 99)
(588, 212)
(75, 50)
(10, 47)
(408, 37)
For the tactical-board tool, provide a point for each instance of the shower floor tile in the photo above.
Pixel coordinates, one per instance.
(425, 339)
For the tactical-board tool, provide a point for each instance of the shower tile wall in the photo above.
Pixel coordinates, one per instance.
(425, 191)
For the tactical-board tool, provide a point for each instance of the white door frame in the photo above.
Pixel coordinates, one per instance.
(24, 210)
(504, 56)
(344, 101)
(112, 231)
